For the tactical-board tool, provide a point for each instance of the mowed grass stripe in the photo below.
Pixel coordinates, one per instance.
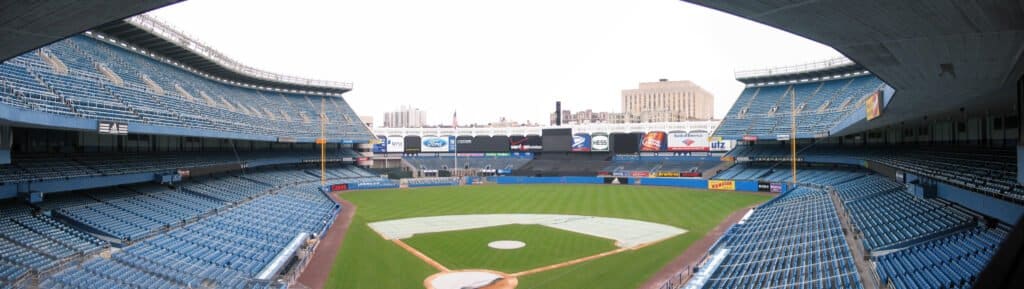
(368, 261)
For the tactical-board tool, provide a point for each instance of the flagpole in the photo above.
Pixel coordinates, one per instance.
(455, 123)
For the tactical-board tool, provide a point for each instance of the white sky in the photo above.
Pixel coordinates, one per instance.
(489, 58)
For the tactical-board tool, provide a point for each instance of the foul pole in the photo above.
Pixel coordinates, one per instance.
(455, 125)
(323, 142)
(792, 132)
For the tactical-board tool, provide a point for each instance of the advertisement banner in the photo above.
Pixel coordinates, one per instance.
(721, 145)
(722, 185)
(581, 142)
(412, 144)
(750, 138)
(639, 174)
(599, 143)
(529, 143)
(873, 105)
(653, 141)
(395, 144)
(465, 144)
(434, 144)
(688, 142)
(381, 145)
(666, 174)
(776, 188)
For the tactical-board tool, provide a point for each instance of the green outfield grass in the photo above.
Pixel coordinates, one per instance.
(367, 261)
(544, 246)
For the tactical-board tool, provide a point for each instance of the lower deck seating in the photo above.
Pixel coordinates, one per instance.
(794, 241)
(892, 216)
(781, 173)
(30, 242)
(28, 167)
(950, 262)
(983, 169)
(225, 250)
(920, 242)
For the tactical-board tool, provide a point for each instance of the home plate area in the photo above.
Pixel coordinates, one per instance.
(479, 247)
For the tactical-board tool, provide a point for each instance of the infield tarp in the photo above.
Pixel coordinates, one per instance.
(626, 232)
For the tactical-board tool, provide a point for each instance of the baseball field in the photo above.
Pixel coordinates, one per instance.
(551, 258)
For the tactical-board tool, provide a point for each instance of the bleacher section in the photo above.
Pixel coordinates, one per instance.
(472, 163)
(106, 82)
(794, 241)
(661, 164)
(429, 182)
(555, 165)
(765, 111)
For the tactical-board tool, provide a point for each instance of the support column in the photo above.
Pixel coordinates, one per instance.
(6, 139)
(1020, 121)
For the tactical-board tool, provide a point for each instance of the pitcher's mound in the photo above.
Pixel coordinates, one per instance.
(506, 245)
(471, 279)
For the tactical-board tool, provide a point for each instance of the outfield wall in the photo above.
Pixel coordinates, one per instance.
(747, 186)
(503, 180)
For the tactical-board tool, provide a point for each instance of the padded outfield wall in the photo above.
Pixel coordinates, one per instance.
(719, 185)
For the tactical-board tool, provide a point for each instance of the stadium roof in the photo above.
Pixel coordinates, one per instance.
(940, 56)
(164, 40)
(28, 25)
(830, 67)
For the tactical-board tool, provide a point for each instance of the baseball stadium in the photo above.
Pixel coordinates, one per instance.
(135, 155)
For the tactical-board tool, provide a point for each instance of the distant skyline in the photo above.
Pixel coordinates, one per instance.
(491, 59)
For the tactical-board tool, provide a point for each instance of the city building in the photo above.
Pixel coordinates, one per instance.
(666, 101)
(405, 116)
(583, 117)
(367, 120)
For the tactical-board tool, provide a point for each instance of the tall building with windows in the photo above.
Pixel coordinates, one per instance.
(667, 101)
(405, 116)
